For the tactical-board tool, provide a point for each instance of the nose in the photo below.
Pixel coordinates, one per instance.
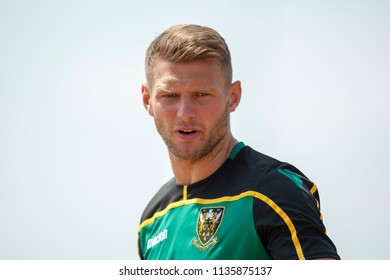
(186, 110)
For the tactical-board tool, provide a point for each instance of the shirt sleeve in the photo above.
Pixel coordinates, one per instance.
(288, 219)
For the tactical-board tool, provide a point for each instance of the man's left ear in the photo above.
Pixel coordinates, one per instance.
(235, 95)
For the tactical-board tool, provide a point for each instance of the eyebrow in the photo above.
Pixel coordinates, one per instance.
(205, 89)
(164, 88)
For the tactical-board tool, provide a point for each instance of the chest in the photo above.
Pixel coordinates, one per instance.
(203, 229)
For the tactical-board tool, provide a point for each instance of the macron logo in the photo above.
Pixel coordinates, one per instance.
(157, 239)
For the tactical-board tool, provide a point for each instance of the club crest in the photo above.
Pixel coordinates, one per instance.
(209, 220)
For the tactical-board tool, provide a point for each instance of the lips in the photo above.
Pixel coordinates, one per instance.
(187, 134)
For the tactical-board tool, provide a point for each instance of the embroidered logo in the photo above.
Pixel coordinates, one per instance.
(209, 220)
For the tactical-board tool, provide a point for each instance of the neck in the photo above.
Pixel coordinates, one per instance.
(189, 172)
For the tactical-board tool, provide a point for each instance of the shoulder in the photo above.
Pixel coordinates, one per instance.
(168, 193)
(286, 210)
(251, 158)
(277, 186)
(274, 176)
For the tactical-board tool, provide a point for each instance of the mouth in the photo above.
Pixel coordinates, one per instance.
(187, 132)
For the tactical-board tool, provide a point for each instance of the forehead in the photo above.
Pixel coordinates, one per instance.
(206, 73)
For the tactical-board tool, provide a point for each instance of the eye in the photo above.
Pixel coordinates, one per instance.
(202, 94)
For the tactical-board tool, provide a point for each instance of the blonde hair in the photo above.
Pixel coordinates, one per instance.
(185, 43)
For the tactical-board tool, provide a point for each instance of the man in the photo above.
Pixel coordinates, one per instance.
(226, 201)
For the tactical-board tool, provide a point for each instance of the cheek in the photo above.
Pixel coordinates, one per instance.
(162, 117)
(164, 111)
(216, 110)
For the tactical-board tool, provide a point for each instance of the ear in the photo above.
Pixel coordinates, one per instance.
(234, 96)
(146, 98)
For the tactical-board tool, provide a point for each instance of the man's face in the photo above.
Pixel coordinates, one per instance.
(190, 104)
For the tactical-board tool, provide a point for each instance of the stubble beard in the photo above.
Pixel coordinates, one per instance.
(218, 132)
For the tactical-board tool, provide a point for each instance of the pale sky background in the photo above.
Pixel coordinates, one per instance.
(80, 157)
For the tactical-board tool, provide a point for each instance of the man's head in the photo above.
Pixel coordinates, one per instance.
(189, 92)
(185, 43)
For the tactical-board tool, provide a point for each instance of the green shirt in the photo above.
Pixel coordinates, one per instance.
(252, 207)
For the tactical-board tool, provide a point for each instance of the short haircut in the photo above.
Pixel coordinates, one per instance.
(188, 42)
